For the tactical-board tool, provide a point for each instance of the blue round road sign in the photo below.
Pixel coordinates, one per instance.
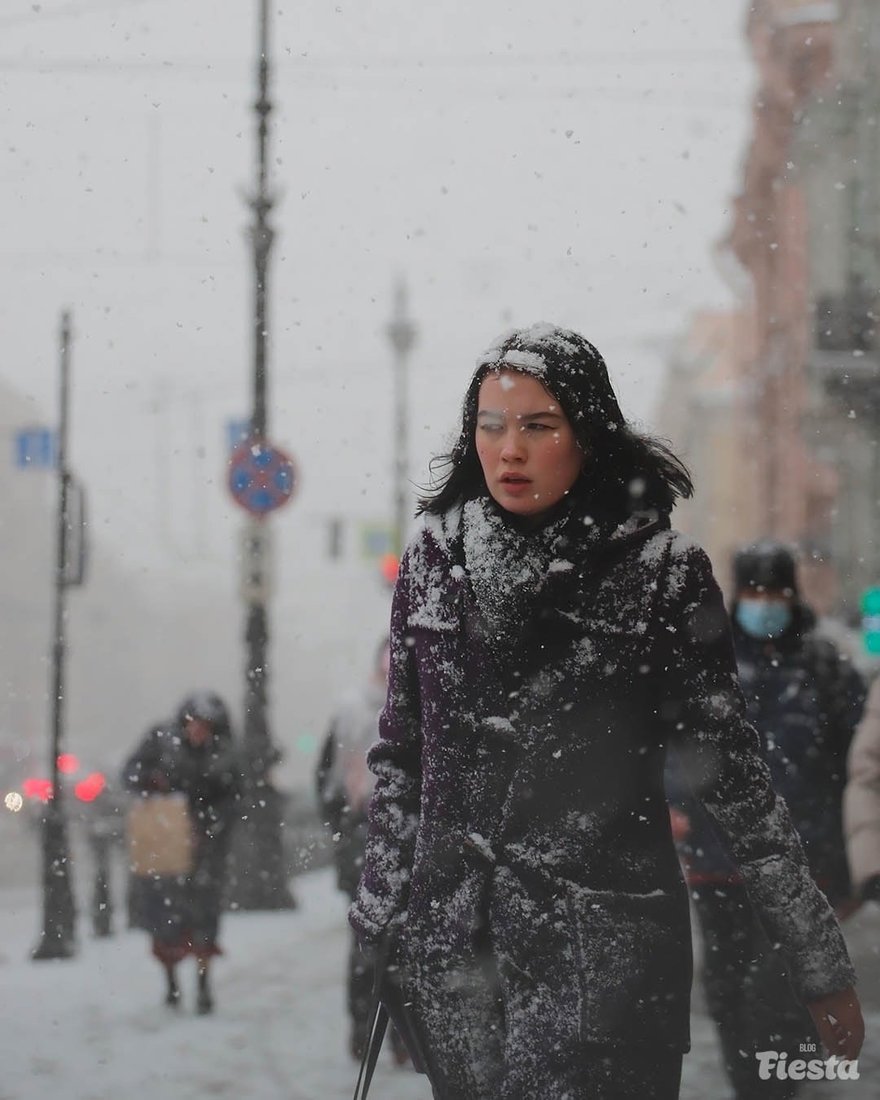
(261, 477)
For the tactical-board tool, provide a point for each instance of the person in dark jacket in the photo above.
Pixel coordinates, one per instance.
(804, 699)
(550, 637)
(343, 784)
(196, 755)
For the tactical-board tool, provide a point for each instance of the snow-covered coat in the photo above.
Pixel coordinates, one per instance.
(862, 798)
(520, 773)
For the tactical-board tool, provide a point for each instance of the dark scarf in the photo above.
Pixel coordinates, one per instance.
(511, 565)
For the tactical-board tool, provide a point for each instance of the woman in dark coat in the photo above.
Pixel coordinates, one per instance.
(550, 637)
(195, 755)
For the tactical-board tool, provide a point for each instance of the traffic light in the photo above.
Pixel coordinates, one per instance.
(871, 620)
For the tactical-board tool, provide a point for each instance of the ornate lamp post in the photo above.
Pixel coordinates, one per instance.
(261, 874)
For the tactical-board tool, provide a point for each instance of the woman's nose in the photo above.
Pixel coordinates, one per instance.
(513, 445)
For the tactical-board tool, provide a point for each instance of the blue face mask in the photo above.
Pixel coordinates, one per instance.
(763, 618)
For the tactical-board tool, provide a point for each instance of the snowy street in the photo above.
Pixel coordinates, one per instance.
(92, 1028)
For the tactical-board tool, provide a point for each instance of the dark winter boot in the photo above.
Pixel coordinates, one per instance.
(172, 994)
(204, 999)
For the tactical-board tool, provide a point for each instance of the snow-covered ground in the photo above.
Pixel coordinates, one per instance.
(92, 1027)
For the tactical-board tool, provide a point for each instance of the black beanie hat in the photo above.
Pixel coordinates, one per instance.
(766, 564)
(567, 365)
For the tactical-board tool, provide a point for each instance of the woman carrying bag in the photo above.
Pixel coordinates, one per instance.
(550, 637)
(189, 778)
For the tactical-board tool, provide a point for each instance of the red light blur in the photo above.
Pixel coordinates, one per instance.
(88, 789)
(68, 763)
(389, 564)
(37, 788)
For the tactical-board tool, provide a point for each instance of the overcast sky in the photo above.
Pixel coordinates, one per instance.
(564, 161)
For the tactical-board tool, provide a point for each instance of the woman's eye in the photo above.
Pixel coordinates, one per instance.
(490, 427)
(536, 426)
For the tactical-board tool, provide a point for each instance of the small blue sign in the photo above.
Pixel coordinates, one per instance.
(36, 449)
(237, 432)
(261, 477)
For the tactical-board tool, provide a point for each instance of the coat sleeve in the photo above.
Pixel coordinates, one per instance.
(144, 770)
(723, 764)
(861, 804)
(395, 759)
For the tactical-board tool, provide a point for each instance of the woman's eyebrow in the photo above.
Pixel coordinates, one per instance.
(522, 416)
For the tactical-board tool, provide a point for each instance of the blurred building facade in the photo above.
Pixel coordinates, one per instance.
(706, 410)
(795, 366)
(26, 538)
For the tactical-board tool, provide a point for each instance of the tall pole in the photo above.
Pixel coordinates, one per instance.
(261, 875)
(58, 937)
(262, 234)
(402, 334)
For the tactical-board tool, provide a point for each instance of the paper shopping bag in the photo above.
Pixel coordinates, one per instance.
(160, 836)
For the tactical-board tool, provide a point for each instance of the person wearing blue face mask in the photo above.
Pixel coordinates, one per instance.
(764, 617)
(805, 700)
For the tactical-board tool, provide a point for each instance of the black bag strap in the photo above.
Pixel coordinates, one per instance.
(378, 1027)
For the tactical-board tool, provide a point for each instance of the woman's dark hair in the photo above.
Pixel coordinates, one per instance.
(626, 470)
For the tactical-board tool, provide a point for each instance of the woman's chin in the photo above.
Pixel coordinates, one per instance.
(516, 507)
(522, 508)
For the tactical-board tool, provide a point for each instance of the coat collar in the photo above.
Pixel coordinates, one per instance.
(548, 574)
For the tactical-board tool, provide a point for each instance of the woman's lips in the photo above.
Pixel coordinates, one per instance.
(515, 486)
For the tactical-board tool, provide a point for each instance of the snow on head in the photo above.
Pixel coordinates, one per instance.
(526, 361)
(494, 351)
(541, 333)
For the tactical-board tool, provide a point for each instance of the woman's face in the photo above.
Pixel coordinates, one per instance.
(526, 445)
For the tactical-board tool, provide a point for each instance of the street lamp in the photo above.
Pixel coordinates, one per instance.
(260, 881)
(58, 937)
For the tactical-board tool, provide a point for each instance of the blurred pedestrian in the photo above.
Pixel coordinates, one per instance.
(549, 637)
(344, 785)
(103, 816)
(862, 801)
(194, 757)
(804, 699)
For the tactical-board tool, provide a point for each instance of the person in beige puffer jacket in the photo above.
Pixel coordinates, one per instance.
(861, 805)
